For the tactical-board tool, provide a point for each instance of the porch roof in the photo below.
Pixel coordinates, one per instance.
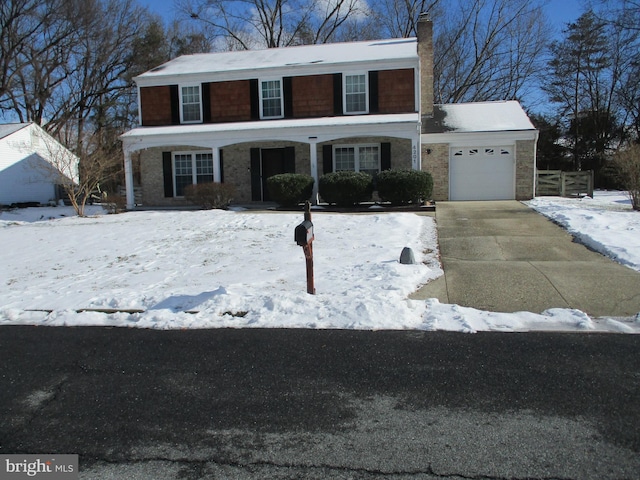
(306, 130)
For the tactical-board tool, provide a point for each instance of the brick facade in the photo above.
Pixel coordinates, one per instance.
(435, 160)
(237, 165)
(525, 169)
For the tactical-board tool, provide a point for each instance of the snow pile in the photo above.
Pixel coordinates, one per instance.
(216, 269)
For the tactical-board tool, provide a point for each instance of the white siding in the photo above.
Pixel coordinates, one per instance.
(25, 174)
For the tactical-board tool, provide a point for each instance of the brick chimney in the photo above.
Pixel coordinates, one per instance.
(425, 54)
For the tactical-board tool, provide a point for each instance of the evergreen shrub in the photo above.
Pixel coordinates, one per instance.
(345, 189)
(290, 189)
(400, 187)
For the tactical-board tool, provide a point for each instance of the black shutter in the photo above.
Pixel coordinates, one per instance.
(373, 92)
(255, 99)
(175, 105)
(167, 172)
(220, 152)
(385, 156)
(206, 103)
(290, 159)
(288, 97)
(256, 177)
(337, 94)
(327, 159)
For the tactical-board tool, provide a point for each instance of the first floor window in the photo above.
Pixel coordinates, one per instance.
(191, 168)
(357, 158)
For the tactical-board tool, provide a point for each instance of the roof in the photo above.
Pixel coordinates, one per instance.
(9, 128)
(311, 56)
(497, 116)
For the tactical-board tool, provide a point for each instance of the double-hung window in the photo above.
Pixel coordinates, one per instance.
(191, 168)
(355, 94)
(190, 104)
(271, 101)
(357, 158)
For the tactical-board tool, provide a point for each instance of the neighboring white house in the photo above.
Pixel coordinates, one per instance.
(32, 164)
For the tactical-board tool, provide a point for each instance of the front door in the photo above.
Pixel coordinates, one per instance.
(272, 161)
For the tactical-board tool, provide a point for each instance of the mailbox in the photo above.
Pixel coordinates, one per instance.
(304, 233)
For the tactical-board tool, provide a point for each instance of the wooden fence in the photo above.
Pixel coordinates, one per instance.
(564, 184)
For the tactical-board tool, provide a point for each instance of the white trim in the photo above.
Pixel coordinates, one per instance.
(181, 106)
(261, 100)
(480, 139)
(366, 92)
(321, 129)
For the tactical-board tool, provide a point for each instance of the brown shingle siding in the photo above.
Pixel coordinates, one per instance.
(230, 101)
(396, 91)
(312, 96)
(155, 106)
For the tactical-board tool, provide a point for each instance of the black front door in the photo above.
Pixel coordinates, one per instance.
(273, 161)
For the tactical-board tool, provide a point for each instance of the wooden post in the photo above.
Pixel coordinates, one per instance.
(308, 253)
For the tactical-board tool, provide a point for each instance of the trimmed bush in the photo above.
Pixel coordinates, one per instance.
(210, 195)
(289, 189)
(400, 187)
(345, 189)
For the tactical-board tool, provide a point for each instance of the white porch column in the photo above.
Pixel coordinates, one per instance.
(217, 171)
(313, 165)
(128, 179)
(416, 153)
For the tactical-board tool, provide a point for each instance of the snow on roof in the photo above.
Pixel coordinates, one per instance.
(305, 55)
(341, 121)
(9, 128)
(497, 116)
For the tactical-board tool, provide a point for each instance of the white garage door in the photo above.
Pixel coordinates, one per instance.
(482, 173)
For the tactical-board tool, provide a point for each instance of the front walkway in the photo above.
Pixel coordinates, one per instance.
(503, 256)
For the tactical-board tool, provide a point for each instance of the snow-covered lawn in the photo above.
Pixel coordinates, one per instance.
(213, 269)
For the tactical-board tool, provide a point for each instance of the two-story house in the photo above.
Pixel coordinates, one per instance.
(241, 117)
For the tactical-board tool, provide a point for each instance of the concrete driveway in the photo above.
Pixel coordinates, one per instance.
(503, 256)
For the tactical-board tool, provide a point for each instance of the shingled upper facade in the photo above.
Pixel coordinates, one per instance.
(240, 117)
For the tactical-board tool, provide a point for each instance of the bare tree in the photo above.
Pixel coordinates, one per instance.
(627, 161)
(488, 49)
(248, 24)
(399, 18)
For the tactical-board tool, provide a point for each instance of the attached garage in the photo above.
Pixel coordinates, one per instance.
(480, 151)
(482, 173)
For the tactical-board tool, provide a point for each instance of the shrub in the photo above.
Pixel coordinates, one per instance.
(289, 189)
(210, 195)
(627, 162)
(115, 203)
(345, 188)
(404, 186)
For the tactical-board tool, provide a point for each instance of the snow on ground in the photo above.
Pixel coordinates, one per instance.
(216, 269)
(605, 223)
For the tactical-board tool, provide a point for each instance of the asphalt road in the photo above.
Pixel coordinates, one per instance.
(291, 404)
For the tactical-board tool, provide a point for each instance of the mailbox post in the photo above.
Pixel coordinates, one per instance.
(304, 237)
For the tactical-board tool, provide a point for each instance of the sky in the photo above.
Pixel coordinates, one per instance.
(559, 11)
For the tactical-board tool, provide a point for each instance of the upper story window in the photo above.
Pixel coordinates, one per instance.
(355, 94)
(271, 101)
(190, 104)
